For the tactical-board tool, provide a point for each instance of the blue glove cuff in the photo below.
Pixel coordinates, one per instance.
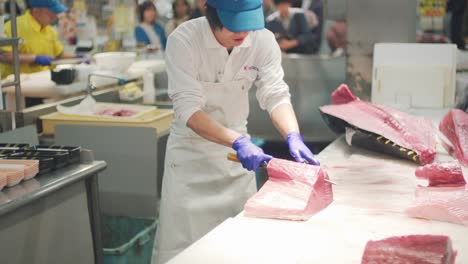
(294, 135)
(240, 141)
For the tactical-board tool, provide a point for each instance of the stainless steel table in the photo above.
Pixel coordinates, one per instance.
(53, 218)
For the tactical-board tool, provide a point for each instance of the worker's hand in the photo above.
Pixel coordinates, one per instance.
(299, 151)
(44, 60)
(249, 155)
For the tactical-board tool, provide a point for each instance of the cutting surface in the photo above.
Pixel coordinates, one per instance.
(370, 197)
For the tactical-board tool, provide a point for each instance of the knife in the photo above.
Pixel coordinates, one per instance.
(233, 157)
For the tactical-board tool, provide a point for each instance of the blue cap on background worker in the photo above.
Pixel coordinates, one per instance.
(40, 41)
(212, 62)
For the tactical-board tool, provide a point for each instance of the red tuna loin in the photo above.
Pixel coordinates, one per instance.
(294, 191)
(413, 249)
(449, 173)
(411, 132)
(455, 127)
(446, 204)
(343, 95)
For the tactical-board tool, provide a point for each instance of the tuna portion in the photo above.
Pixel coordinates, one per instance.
(455, 127)
(294, 191)
(446, 204)
(437, 174)
(413, 249)
(401, 129)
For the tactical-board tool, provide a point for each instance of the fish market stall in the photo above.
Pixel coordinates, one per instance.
(371, 195)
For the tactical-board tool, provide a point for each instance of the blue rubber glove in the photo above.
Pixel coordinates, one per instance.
(44, 60)
(299, 151)
(250, 155)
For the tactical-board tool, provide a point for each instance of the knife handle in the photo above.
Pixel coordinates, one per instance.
(232, 157)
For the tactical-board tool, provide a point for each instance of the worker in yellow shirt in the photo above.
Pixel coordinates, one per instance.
(40, 42)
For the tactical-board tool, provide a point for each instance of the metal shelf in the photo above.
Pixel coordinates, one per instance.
(14, 41)
(10, 41)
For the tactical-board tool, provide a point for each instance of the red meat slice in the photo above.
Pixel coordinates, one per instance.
(449, 173)
(343, 95)
(413, 249)
(294, 191)
(415, 133)
(446, 204)
(455, 127)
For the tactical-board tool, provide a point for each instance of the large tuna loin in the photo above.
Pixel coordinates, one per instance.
(442, 174)
(446, 204)
(381, 128)
(413, 249)
(294, 191)
(454, 126)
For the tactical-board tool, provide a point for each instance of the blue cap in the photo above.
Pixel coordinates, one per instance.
(239, 15)
(53, 5)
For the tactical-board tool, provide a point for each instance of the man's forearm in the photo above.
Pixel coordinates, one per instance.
(284, 119)
(7, 57)
(210, 129)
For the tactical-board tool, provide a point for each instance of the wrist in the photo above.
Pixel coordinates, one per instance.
(293, 135)
(240, 141)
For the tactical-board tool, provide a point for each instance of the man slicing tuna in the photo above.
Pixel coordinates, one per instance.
(212, 63)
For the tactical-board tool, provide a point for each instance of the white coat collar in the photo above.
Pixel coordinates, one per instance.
(212, 43)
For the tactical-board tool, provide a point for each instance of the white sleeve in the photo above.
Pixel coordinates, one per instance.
(272, 91)
(184, 90)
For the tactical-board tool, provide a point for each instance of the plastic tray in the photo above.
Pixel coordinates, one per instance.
(160, 119)
(60, 157)
(14, 175)
(46, 164)
(3, 181)
(31, 167)
(74, 153)
(13, 146)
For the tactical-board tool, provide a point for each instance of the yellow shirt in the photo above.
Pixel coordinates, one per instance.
(36, 40)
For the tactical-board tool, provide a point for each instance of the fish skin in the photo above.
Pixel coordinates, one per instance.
(410, 132)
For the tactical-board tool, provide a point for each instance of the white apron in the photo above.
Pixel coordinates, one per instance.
(201, 188)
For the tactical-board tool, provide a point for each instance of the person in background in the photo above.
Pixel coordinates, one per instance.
(199, 10)
(314, 13)
(457, 8)
(150, 32)
(336, 37)
(181, 11)
(291, 28)
(268, 7)
(40, 41)
(67, 27)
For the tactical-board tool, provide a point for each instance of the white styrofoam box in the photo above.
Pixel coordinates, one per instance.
(414, 75)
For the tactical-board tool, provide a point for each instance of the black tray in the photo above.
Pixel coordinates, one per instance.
(60, 157)
(46, 164)
(13, 146)
(74, 152)
(8, 152)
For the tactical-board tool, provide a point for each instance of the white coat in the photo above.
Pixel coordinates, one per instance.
(201, 188)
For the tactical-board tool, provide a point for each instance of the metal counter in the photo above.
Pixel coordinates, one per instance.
(53, 218)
